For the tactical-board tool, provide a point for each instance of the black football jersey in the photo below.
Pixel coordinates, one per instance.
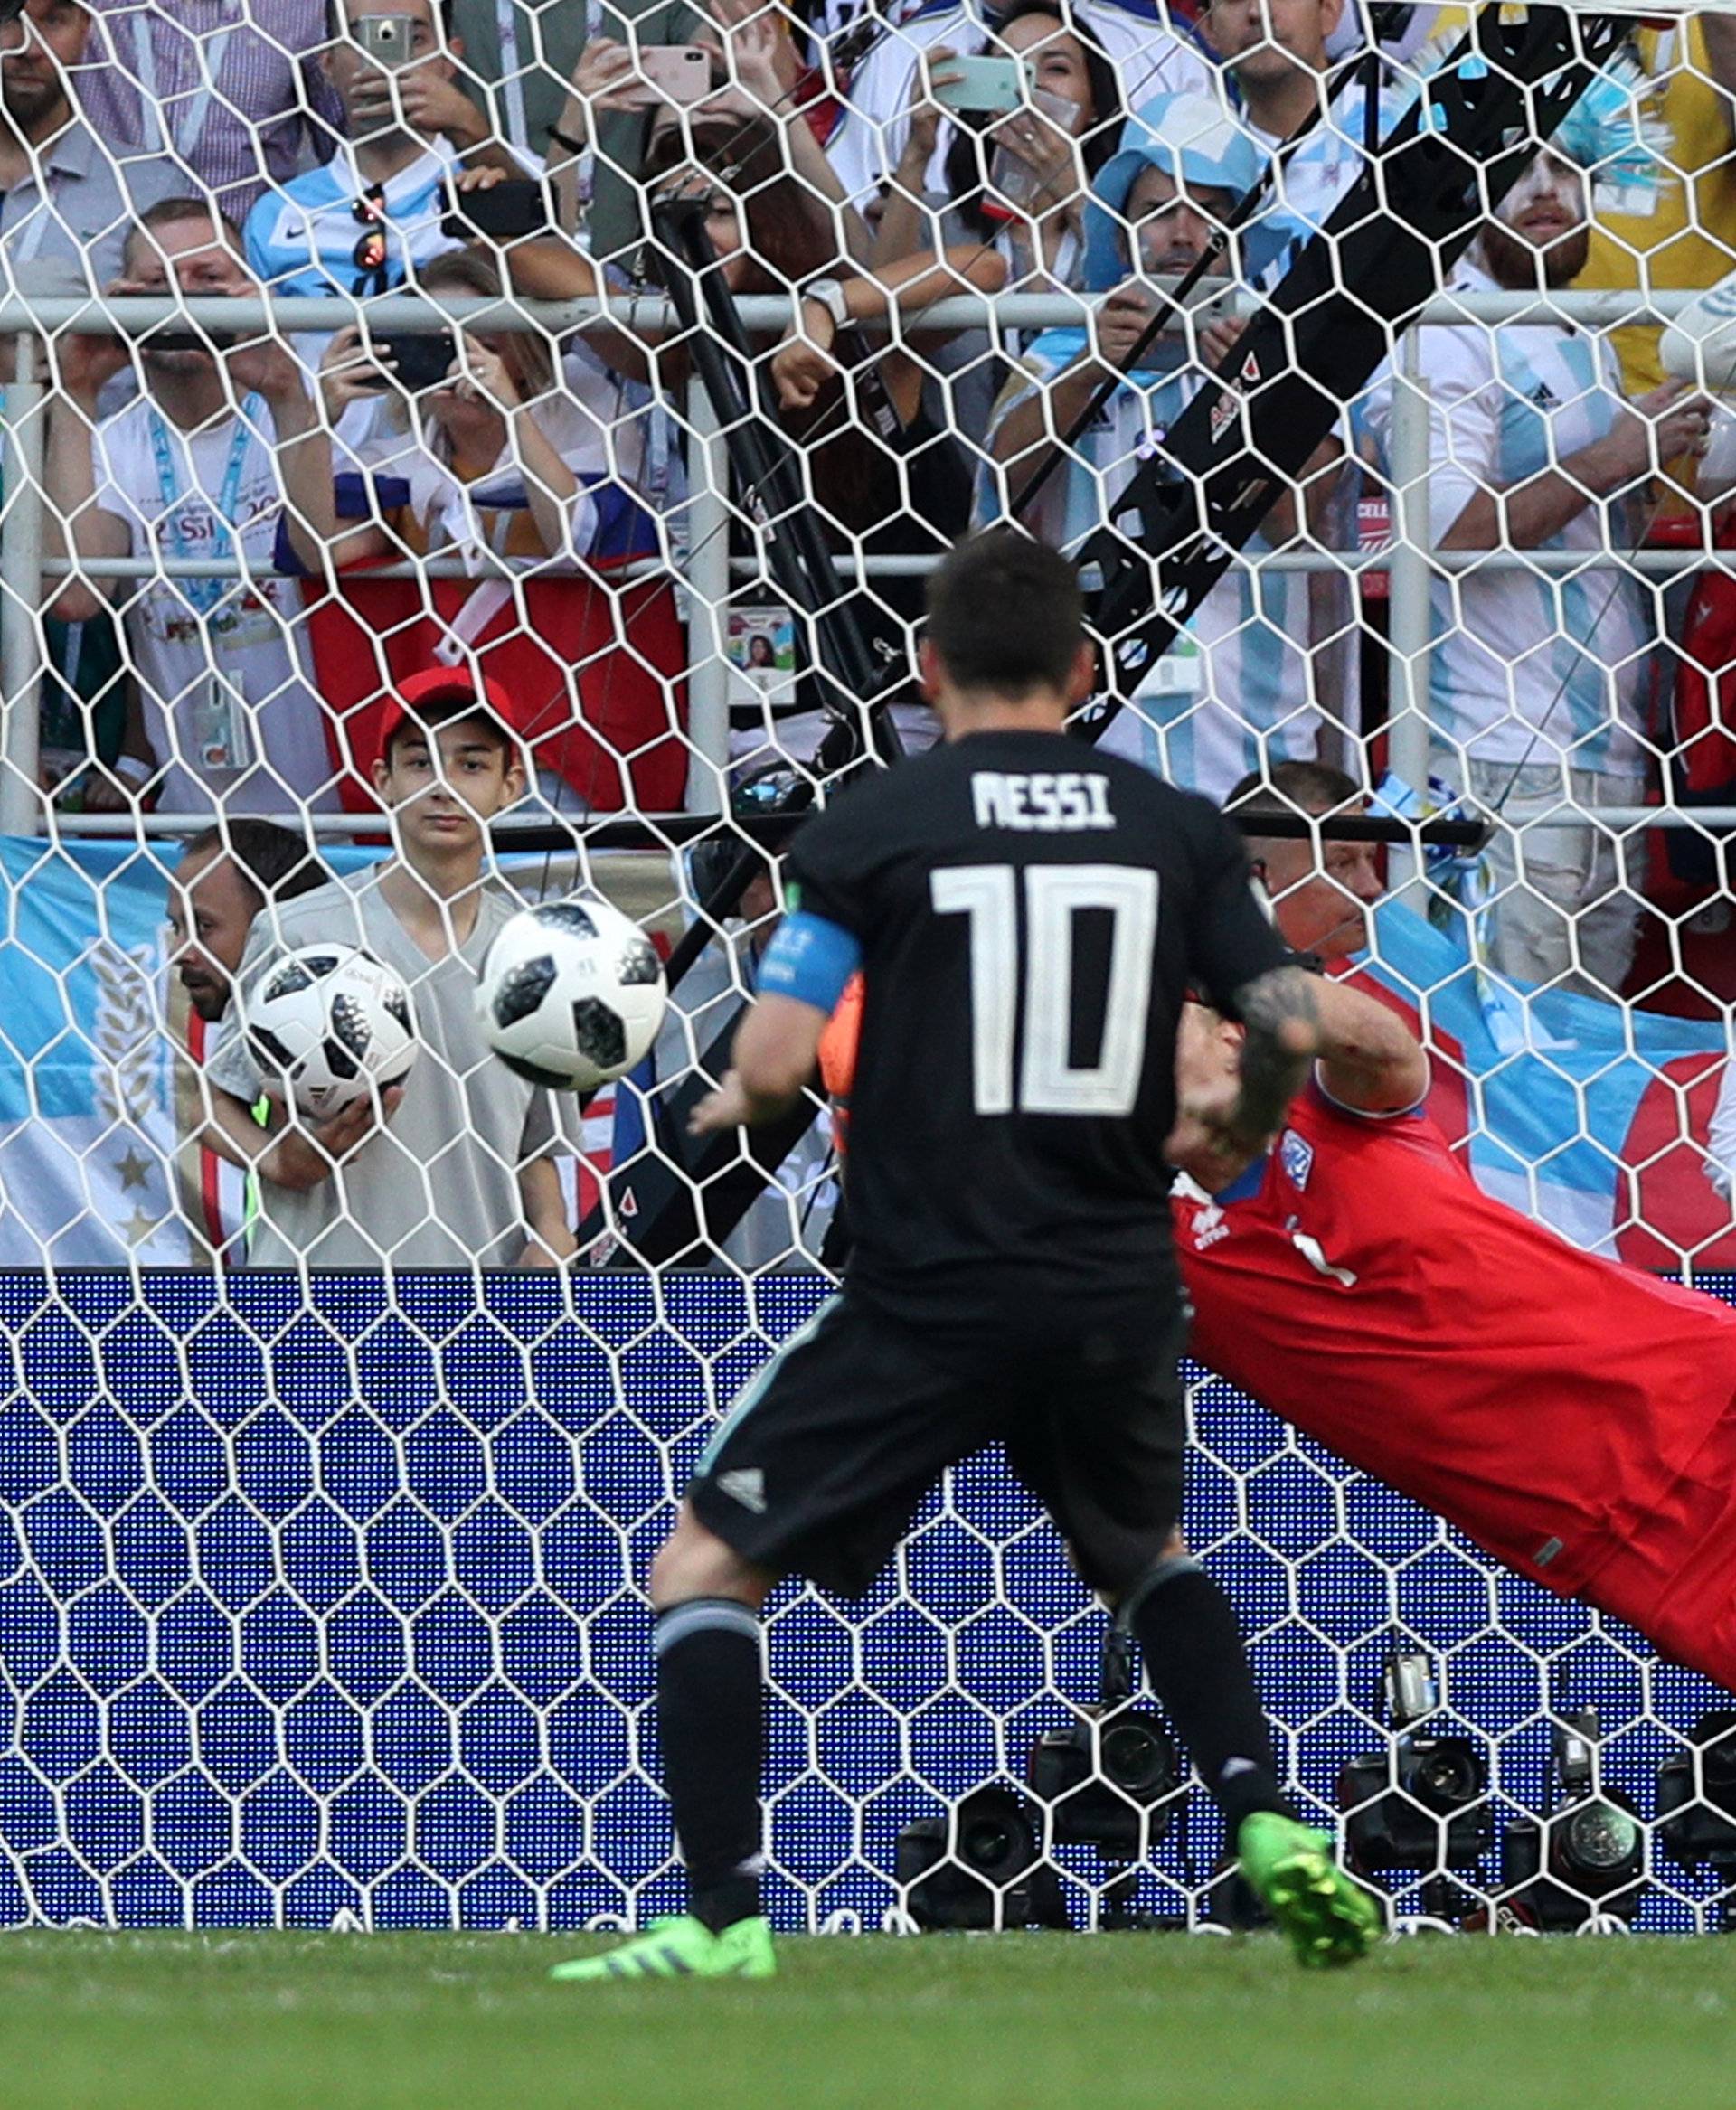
(1032, 915)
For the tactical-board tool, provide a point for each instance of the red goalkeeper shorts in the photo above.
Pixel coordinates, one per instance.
(1675, 1577)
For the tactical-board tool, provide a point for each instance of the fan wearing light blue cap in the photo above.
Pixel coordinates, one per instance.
(1183, 159)
(1236, 690)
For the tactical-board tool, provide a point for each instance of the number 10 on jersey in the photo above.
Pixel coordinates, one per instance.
(1047, 1082)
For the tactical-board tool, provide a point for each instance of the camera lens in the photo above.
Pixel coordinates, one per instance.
(1136, 1759)
(1599, 1838)
(985, 1843)
(994, 1843)
(1446, 1777)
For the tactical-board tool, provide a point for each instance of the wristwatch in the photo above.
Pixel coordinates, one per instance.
(829, 294)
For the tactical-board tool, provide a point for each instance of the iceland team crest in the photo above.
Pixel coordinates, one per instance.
(1296, 1155)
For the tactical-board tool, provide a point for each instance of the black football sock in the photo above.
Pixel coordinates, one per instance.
(711, 1723)
(1198, 1668)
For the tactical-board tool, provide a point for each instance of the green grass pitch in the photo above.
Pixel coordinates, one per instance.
(284, 2022)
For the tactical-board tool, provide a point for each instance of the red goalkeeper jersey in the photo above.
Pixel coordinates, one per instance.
(1360, 1285)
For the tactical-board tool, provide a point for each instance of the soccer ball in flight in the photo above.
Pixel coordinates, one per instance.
(571, 994)
(328, 1024)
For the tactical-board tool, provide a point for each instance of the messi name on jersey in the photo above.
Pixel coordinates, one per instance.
(1045, 801)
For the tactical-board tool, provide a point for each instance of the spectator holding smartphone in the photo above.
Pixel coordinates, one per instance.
(200, 463)
(1148, 46)
(750, 70)
(1015, 182)
(545, 479)
(531, 64)
(1017, 178)
(364, 221)
(503, 453)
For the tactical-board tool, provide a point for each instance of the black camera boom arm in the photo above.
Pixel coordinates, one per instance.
(1329, 323)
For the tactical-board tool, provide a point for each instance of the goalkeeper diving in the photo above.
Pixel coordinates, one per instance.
(1575, 1416)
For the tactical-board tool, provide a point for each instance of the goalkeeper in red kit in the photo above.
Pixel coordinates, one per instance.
(1574, 1416)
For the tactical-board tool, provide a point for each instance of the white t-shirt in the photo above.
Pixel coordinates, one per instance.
(223, 668)
(1307, 186)
(604, 427)
(1235, 690)
(1528, 665)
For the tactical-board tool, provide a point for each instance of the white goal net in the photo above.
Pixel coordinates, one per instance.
(626, 368)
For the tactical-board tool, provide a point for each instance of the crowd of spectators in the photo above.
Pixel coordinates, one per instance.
(346, 148)
(263, 536)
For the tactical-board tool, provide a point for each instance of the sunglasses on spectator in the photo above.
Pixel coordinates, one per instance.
(370, 211)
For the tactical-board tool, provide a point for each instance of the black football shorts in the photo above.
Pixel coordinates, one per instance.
(822, 1461)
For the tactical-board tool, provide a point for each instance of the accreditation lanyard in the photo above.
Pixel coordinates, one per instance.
(512, 79)
(204, 593)
(187, 129)
(511, 74)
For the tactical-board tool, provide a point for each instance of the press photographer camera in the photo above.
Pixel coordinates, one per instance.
(979, 1869)
(1108, 1779)
(1585, 1860)
(1105, 1779)
(1423, 1802)
(1697, 1803)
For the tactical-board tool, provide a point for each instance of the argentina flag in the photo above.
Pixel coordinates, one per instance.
(89, 1133)
(1593, 1117)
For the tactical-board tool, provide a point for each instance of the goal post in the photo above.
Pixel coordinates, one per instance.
(321, 1589)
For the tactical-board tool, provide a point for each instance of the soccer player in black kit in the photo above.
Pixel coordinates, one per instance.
(1029, 915)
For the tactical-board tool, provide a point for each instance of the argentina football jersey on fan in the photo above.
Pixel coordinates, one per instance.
(1235, 690)
(1528, 665)
(330, 232)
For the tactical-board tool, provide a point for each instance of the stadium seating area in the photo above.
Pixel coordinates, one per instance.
(1494, 589)
(631, 362)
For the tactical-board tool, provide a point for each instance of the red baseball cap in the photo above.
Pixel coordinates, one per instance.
(448, 684)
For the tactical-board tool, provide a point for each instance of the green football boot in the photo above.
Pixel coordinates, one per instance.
(680, 1948)
(1327, 1918)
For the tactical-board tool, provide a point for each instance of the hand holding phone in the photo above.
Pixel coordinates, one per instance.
(503, 212)
(982, 86)
(386, 39)
(680, 74)
(416, 362)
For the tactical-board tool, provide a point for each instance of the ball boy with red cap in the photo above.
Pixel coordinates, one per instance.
(459, 1168)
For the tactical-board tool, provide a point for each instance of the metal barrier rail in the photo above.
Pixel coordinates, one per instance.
(1408, 561)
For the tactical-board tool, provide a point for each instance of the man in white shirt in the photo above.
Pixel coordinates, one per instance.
(1278, 55)
(1537, 678)
(199, 465)
(1237, 689)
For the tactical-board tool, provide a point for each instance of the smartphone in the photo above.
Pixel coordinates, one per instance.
(676, 73)
(188, 341)
(503, 212)
(422, 360)
(385, 38)
(984, 85)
